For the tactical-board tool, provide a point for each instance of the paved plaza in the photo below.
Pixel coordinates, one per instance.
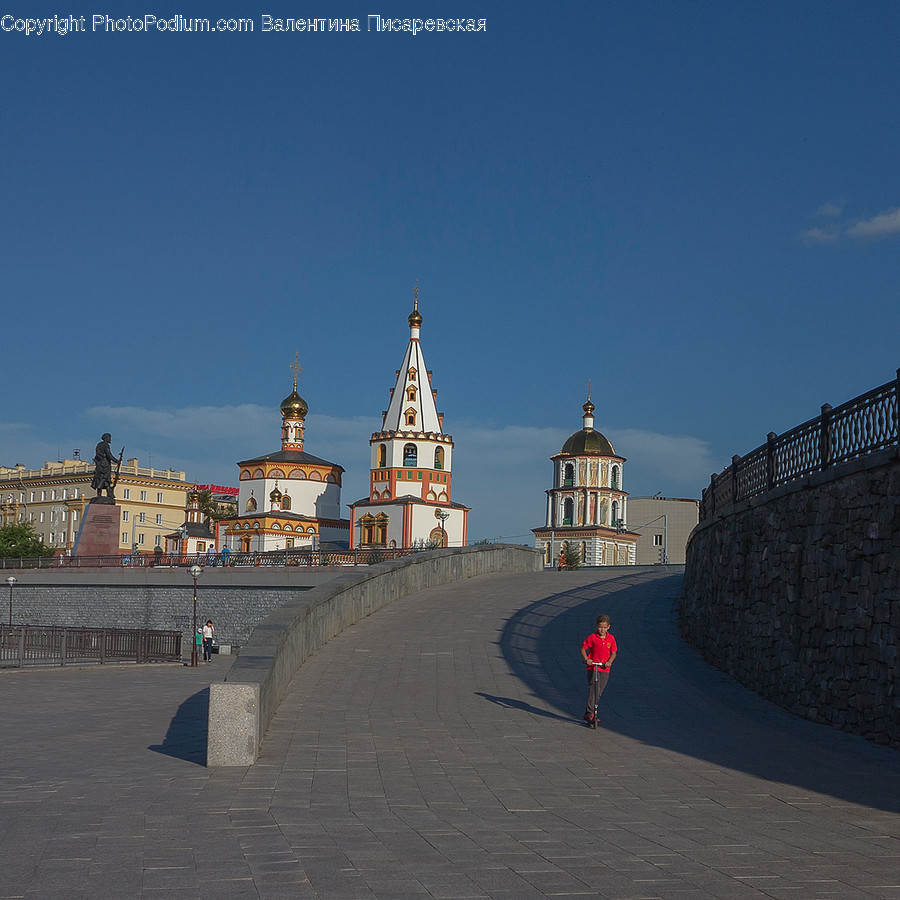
(437, 750)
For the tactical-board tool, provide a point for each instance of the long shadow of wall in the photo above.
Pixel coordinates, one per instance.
(662, 693)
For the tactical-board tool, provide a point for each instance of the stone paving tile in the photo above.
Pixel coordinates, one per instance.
(452, 763)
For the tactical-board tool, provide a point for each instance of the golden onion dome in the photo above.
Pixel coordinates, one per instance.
(588, 442)
(415, 317)
(294, 406)
(276, 494)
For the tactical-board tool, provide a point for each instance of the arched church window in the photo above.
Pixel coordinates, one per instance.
(568, 475)
(411, 392)
(411, 373)
(410, 417)
(568, 508)
(439, 457)
(615, 514)
(614, 477)
(410, 455)
(285, 501)
(381, 460)
(251, 504)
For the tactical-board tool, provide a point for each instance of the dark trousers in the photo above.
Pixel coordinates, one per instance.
(596, 679)
(207, 649)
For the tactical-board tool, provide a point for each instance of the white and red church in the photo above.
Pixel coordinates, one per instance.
(410, 479)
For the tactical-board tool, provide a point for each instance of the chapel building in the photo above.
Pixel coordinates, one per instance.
(586, 507)
(289, 499)
(411, 462)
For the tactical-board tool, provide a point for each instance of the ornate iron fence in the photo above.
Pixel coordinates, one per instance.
(24, 645)
(864, 425)
(358, 557)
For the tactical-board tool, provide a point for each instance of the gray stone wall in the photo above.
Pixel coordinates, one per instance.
(796, 594)
(234, 611)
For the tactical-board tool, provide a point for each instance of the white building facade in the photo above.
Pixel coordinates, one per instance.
(290, 499)
(411, 466)
(587, 504)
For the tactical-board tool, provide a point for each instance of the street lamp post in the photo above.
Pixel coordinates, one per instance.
(10, 581)
(195, 571)
(442, 516)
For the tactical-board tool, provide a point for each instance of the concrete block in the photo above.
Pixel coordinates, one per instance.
(233, 725)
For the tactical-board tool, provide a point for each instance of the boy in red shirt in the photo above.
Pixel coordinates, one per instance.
(598, 652)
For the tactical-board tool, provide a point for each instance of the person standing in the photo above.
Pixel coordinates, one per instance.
(208, 634)
(598, 652)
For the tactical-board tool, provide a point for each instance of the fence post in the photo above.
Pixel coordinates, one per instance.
(825, 437)
(897, 408)
(770, 460)
(103, 647)
(21, 646)
(735, 462)
(62, 647)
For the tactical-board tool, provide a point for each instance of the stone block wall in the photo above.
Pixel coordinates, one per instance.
(234, 611)
(796, 594)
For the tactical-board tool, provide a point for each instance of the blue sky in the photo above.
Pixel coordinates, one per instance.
(696, 205)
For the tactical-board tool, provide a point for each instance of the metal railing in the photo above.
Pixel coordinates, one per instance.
(24, 645)
(361, 556)
(857, 428)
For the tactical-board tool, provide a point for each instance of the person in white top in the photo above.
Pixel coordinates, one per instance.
(208, 632)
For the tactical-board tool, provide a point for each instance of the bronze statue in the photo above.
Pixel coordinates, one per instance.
(104, 479)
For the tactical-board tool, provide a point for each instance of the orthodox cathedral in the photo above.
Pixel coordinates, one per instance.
(586, 505)
(289, 499)
(411, 461)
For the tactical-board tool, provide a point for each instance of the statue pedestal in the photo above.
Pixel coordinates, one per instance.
(99, 531)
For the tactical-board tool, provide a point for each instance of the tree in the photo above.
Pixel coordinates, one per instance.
(21, 541)
(571, 557)
(212, 510)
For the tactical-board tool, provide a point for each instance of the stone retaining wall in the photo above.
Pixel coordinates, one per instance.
(235, 599)
(796, 594)
(241, 707)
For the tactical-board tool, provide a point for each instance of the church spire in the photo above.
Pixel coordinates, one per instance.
(588, 417)
(293, 412)
(412, 406)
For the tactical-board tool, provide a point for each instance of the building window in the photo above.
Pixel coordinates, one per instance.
(124, 515)
(411, 392)
(124, 537)
(42, 516)
(126, 494)
(410, 455)
(141, 538)
(76, 493)
(159, 518)
(615, 478)
(410, 417)
(158, 541)
(657, 540)
(142, 517)
(568, 475)
(382, 456)
(159, 497)
(439, 457)
(568, 507)
(143, 496)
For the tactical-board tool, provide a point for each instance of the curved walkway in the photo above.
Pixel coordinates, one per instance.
(436, 750)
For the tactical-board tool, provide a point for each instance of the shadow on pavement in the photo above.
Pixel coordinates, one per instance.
(186, 736)
(510, 703)
(664, 694)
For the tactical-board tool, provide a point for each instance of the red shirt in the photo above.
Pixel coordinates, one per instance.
(599, 649)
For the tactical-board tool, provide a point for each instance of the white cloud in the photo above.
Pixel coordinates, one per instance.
(878, 226)
(829, 210)
(819, 236)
